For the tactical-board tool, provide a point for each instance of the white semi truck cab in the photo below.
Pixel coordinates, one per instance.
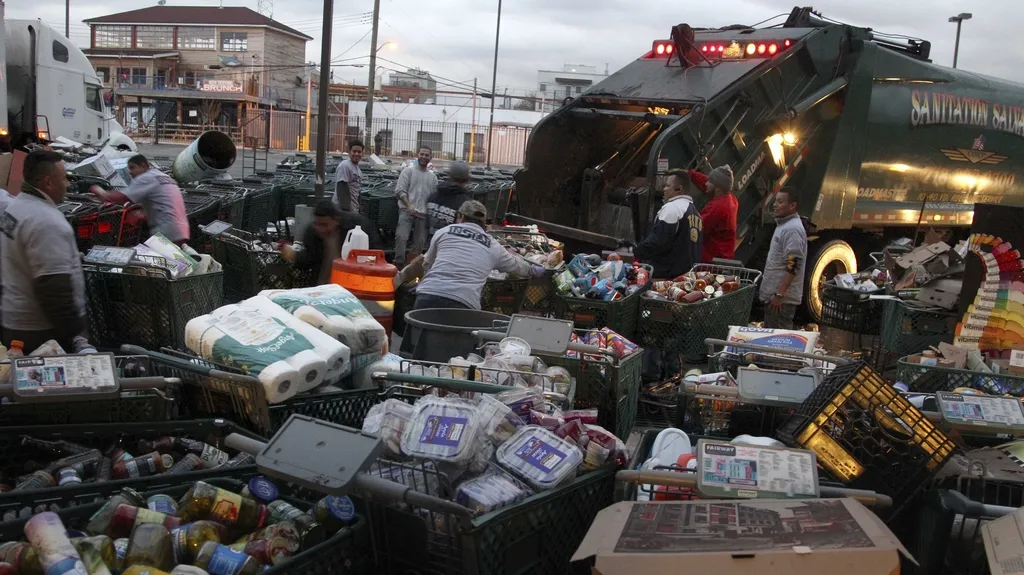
(51, 88)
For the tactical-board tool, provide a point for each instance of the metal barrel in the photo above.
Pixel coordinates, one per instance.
(208, 155)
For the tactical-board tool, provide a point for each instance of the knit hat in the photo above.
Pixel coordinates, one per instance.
(721, 177)
(474, 211)
(459, 171)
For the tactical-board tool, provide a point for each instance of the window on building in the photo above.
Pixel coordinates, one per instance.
(234, 41)
(568, 91)
(138, 76)
(113, 37)
(154, 37)
(93, 98)
(197, 38)
(104, 73)
(543, 87)
(60, 52)
(579, 89)
(124, 75)
(432, 140)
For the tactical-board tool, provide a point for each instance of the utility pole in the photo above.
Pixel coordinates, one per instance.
(494, 86)
(309, 106)
(472, 128)
(373, 73)
(325, 84)
(67, 19)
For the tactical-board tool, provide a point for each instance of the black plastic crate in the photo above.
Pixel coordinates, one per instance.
(260, 208)
(621, 316)
(929, 379)
(851, 310)
(381, 207)
(907, 330)
(682, 328)
(657, 405)
(201, 209)
(102, 437)
(867, 435)
(249, 270)
(214, 390)
(150, 311)
(344, 553)
(503, 296)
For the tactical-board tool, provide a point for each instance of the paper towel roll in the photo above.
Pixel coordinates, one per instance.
(336, 355)
(335, 311)
(279, 378)
(312, 366)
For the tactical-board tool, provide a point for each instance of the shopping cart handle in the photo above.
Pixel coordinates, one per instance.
(244, 443)
(711, 342)
(127, 384)
(187, 365)
(707, 389)
(666, 478)
(866, 497)
(442, 382)
(962, 505)
(487, 335)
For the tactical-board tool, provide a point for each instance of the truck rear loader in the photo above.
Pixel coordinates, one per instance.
(879, 141)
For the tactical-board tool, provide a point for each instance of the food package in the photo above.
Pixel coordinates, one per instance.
(335, 311)
(335, 354)
(522, 400)
(260, 346)
(560, 379)
(782, 339)
(442, 429)
(539, 457)
(481, 457)
(498, 421)
(490, 492)
(695, 287)
(593, 278)
(601, 446)
(181, 264)
(388, 421)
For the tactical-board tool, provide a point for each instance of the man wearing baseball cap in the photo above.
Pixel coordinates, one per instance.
(460, 258)
(719, 214)
(443, 206)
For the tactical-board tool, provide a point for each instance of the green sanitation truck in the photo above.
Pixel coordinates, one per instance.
(879, 141)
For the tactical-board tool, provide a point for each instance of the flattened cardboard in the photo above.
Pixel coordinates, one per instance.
(767, 537)
(1004, 544)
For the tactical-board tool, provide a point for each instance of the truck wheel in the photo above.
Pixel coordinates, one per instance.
(833, 258)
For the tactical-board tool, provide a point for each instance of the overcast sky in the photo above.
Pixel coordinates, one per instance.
(454, 39)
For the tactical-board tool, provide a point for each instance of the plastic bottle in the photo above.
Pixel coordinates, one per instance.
(16, 350)
(204, 501)
(48, 536)
(355, 239)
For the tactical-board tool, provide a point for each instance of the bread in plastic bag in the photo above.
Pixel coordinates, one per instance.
(539, 457)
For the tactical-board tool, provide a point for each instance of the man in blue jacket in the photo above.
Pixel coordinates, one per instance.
(672, 247)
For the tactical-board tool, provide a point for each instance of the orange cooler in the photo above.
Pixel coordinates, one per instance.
(371, 279)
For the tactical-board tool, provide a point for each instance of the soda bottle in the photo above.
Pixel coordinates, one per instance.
(204, 501)
(211, 456)
(97, 553)
(190, 462)
(219, 559)
(150, 544)
(100, 521)
(16, 350)
(48, 536)
(311, 533)
(126, 518)
(187, 539)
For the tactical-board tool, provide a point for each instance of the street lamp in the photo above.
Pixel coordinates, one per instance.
(959, 19)
(494, 85)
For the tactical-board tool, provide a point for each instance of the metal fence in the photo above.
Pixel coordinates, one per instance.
(397, 137)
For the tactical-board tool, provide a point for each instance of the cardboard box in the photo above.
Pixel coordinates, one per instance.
(1004, 543)
(766, 537)
(97, 166)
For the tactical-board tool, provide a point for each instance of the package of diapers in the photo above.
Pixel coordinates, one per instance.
(336, 354)
(335, 311)
(258, 345)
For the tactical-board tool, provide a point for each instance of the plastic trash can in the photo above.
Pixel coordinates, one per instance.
(441, 334)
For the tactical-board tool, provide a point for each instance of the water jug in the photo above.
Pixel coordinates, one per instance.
(355, 239)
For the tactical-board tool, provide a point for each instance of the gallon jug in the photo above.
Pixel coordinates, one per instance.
(355, 239)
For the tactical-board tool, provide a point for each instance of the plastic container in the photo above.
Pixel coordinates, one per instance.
(442, 430)
(539, 457)
(489, 492)
(388, 421)
(498, 420)
(369, 277)
(355, 239)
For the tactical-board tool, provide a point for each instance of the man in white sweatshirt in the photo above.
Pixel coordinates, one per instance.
(415, 186)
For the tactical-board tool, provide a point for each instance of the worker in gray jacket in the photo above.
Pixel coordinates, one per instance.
(782, 285)
(415, 186)
(460, 258)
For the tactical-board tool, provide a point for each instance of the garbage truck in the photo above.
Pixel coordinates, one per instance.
(49, 89)
(879, 141)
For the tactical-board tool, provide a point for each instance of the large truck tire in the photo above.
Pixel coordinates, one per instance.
(827, 261)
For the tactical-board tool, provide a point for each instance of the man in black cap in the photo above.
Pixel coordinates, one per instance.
(444, 204)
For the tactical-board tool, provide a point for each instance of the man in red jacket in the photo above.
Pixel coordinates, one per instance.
(719, 214)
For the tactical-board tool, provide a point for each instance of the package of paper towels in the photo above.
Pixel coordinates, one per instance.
(243, 338)
(335, 354)
(335, 311)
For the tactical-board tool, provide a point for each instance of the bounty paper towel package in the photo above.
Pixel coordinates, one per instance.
(335, 311)
(261, 346)
(336, 354)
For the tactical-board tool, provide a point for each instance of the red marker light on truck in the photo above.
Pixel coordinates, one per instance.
(751, 49)
(787, 43)
(660, 49)
(772, 49)
(761, 48)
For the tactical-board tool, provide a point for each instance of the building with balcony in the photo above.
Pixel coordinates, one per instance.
(554, 86)
(197, 64)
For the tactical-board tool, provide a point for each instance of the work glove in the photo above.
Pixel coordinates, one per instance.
(537, 271)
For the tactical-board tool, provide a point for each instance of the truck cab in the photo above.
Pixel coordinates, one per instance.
(52, 89)
(878, 141)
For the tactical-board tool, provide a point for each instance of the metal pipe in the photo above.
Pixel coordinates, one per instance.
(322, 98)
(372, 81)
(494, 86)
